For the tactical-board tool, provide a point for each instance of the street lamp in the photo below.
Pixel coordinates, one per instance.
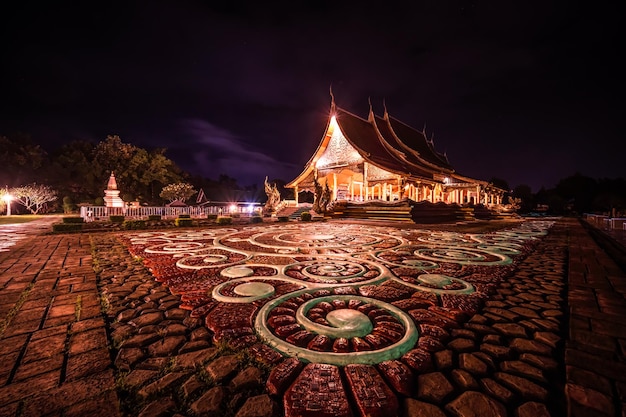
(7, 199)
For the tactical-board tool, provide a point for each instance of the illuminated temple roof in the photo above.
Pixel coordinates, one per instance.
(384, 142)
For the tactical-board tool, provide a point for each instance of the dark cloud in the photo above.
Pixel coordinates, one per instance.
(527, 91)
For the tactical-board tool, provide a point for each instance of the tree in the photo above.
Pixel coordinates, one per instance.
(34, 197)
(180, 191)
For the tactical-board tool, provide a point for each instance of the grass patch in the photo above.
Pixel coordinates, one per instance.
(22, 218)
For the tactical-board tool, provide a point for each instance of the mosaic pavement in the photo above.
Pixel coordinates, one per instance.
(352, 313)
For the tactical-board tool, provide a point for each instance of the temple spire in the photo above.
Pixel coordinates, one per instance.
(332, 99)
(386, 113)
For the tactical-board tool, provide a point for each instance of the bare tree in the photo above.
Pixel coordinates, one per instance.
(34, 197)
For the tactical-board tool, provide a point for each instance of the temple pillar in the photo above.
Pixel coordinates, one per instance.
(295, 192)
(334, 186)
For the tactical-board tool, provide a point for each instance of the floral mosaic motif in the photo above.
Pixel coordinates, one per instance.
(332, 293)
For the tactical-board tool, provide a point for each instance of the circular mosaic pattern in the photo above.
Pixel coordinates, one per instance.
(334, 271)
(325, 291)
(336, 329)
(211, 258)
(463, 256)
(441, 284)
(404, 256)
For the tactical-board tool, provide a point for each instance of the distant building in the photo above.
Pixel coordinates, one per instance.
(382, 158)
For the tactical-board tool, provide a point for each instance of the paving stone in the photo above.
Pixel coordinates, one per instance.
(444, 359)
(246, 379)
(162, 407)
(127, 357)
(472, 403)
(210, 402)
(222, 367)
(258, 406)
(141, 340)
(163, 384)
(31, 369)
(492, 339)
(168, 346)
(525, 312)
(318, 390)
(464, 380)
(590, 399)
(433, 387)
(532, 409)
(530, 346)
(415, 408)
(547, 338)
(176, 314)
(399, 376)
(497, 391)
(139, 377)
(462, 345)
(541, 362)
(527, 389)
(496, 351)
(283, 375)
(191, 360)
(192, 386)
(83, 364)
(472, 364)
(510, 329)
(522, 369)
(147, 319)
(371, 395)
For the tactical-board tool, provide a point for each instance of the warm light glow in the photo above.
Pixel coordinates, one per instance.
(233, 208)
(7, 198)
(406, 187)
(338, 152)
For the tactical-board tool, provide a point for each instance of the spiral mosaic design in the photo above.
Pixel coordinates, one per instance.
(330, 293)
(336, 329)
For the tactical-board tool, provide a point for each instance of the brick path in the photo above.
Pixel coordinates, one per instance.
(594, 355)
(55, 358)
(53, 341)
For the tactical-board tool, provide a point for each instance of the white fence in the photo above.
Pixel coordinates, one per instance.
(103, 213)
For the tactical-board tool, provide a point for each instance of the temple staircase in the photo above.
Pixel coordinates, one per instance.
(395, 212)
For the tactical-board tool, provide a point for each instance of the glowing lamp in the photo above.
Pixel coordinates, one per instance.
(7, 199)
(233, 208)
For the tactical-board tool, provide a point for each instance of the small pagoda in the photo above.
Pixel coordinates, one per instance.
(112, 194)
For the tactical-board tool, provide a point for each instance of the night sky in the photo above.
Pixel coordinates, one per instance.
(527, 91)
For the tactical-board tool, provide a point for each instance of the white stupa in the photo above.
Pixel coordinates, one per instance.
(112, 194)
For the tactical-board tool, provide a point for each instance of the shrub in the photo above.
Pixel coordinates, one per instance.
(224, 220)
(67, 227)
(211, 216)
(305, 216)
(72, 220)
(235, 215)
(134, 224)
(256, 219)
(184, 216)
(183, 222)
(68, 204)
(116, 219)
(154, 217)
(283, 219)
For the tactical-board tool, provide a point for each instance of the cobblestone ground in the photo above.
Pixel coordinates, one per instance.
(498, 361)
(173, 350)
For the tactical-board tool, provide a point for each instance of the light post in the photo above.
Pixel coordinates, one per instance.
(7, 199)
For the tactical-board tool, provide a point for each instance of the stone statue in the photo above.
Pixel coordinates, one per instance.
(273, 197)
(322, 197)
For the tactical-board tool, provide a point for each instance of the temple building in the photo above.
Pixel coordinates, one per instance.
(384, 159)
